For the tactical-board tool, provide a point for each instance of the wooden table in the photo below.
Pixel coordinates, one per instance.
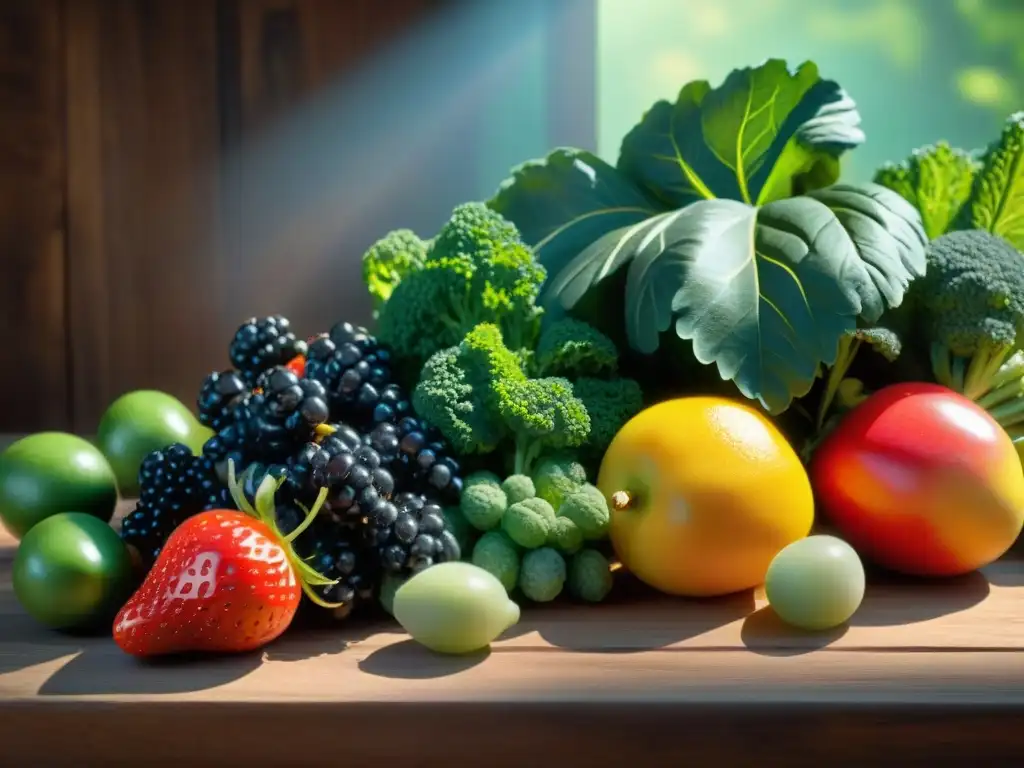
(925, 672)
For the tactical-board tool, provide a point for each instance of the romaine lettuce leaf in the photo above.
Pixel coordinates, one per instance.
(997, 202)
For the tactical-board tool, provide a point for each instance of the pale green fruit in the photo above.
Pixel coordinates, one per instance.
(815, 583)
(454, 608)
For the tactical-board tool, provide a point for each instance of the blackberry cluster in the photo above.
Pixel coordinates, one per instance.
(356, 372)
(220, 394)
(261, 344)
(418, 457)
(173, 485)
(338, 422)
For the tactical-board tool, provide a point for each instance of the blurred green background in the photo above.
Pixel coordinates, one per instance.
(920, 70)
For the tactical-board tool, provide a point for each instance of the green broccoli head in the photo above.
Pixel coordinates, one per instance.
(571, 348)
(542, 574)
(610, 404)
(972, 307)
(565, 536)
(590, 576)
(497, 554)
(483, 505)
(543, 414)
(477, 270)
(995, 200)
(936, 180)
(528, 522)
(389, 260)
(477, 395)
(518, 487)
(588, 509)
(557, 476)
(455, 395)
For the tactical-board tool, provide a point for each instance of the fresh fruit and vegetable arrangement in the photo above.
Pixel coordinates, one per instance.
(662, 367)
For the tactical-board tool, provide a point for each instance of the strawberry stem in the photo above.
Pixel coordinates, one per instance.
(266, 512)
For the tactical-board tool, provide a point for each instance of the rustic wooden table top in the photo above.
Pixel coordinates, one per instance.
(922, 670)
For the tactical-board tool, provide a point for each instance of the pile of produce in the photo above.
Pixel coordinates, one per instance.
(663, 367)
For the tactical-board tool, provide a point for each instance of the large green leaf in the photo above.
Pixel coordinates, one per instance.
(566, 201)
(764, 293)
(761, 131)
(997, 202)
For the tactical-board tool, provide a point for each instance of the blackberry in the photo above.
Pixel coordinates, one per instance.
(261, 344)
(352, 472)
(335, 549)
(418, 457)
(409, 534)
(356, 371)
(298, 405)
(173, 486)
(221, 393)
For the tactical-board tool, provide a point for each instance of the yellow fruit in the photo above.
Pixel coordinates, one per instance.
(705, 492)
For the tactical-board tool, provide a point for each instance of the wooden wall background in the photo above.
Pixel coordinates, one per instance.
(153, 195)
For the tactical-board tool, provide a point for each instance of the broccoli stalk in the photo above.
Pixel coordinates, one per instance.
(884, 341)
(972, 314)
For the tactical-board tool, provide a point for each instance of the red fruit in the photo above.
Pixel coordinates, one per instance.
(921, 480)
(225, 581)
(297, 365)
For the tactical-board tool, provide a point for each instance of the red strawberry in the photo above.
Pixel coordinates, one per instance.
(225, 581)
(297, 365)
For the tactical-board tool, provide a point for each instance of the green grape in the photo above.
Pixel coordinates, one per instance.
(815, 583)
(454, 607)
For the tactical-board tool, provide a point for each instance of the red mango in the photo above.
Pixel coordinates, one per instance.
(921, 480)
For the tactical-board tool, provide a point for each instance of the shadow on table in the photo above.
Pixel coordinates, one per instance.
(892, 599)
(102, 669)
(408, 660)
(764, 633)
(633, 619)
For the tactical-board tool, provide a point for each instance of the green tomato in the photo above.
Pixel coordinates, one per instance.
(815, 583)
(454, 608)
(72, 571)
(52, 472)
(141, 422)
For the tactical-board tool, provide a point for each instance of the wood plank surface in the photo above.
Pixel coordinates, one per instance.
(923, 669)
(143, 141)
(33, 355)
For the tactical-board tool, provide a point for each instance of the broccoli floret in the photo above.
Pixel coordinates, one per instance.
(557, 476)
(483, 505)
(934, 179)
(610, 404)
(527, 523)
(972, 310)
(572, 348)
(389, 260)
(480, 476)
(542, 574)
(477, 395)
(884, 341)
(477, 270)
(998, 194)
(460, 528)
(518, 487)
(590, 576)
(455, 391)
(588, 508)
(565, 536)
(498, 555)
(542, 414)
